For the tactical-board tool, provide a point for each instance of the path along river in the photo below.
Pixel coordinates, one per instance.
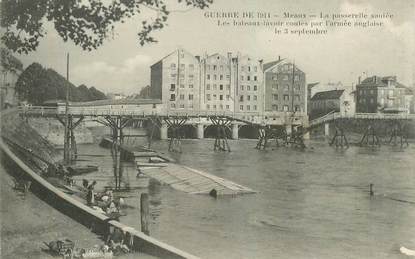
(311, 204)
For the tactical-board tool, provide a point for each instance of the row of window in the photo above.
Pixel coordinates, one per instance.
(182, 66)
(221, 67)
(214, 87)
(181, 106)
(181, 76)
(215, 97)
(214, 107)
(286, 87)
(285, 77)
(248, 98)
(286, 97)
(286, 108)
(381, 91)
(215, 77)
(181, 97)
(173, 86)
(247, 107)
(248, 88)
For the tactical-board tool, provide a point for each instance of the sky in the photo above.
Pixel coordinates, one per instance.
(121, 65)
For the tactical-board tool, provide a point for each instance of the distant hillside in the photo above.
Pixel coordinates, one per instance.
(37, 84)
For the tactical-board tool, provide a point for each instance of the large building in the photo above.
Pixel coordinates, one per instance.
(382, 94)
(175, 80)
(285, 87)
(338, 100)
(231, 83)
(11, 68)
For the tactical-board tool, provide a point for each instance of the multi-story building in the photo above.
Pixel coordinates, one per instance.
(382, 94)
(10, 68)
(175, 79)
(248, 85)
(338, 100)
(284, 85)
(217, 83)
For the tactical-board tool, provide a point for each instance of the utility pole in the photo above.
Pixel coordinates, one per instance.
(66, 155)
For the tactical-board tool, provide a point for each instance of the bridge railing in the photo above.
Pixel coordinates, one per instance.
(243, 117)
(369, 116)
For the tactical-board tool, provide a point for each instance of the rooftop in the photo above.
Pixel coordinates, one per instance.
(326, 95)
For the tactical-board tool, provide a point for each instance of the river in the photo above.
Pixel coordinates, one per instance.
(310, 204)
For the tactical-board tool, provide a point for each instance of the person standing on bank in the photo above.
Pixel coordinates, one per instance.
(90, 196)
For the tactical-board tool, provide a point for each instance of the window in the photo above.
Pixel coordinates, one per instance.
(207, 106)
(275, 77)
(248, 97)
(285, 77)
(172, 87)
(255, 107)
(215, 77)
(248, 78)
(227, 97)
(275, 97)
(242, 78)
(228, 76)
(286, 97)
(372, 101)
(154, 106)
(285, 108)
(173, 75)
(208, 97)
(248, 88)
(208, 77)
(221, 97)
(173, 66)
(297, 97)
(221, 87)
(286, 87)
(255, 97)
(275, 107)
(241, 107)
(255, 69)
(181, 106)
(221, 106)
(221, 77)
(215, 87)
(274, 86)
(181, 75)
(182, 66)
(255, 78)
(248, 108)
(296, 78)
(190, 96)
(214, 106)
(181, 86)
(215, 97)
(249, 69)
(297, 108)
(172, 97)
(227, 107)
(242, 87)
(221, 67)
(182, 97)
(191, 67)
(208, 87)
(242, 68)
(228, 87)
(190, 86)
(191, 77)
(214, 67)
(182, 55)
(255, 88)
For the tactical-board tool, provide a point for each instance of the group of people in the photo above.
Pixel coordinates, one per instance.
(105, 200)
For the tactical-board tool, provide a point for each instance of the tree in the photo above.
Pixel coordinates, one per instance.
(85, 22)
(36, 85)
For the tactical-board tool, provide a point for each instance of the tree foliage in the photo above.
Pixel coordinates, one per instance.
(85, 22)
(37, 85)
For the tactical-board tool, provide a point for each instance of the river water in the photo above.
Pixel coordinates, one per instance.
(310, 204)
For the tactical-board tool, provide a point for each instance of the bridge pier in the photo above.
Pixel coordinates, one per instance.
(235, 131)
(200, 131)
(221, 140)
(397, 133)
(163, 131)
(70, 151)
(327, 129)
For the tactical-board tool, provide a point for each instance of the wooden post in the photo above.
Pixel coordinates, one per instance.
(144, 213)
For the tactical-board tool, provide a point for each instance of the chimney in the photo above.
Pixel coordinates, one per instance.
(279, 57)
